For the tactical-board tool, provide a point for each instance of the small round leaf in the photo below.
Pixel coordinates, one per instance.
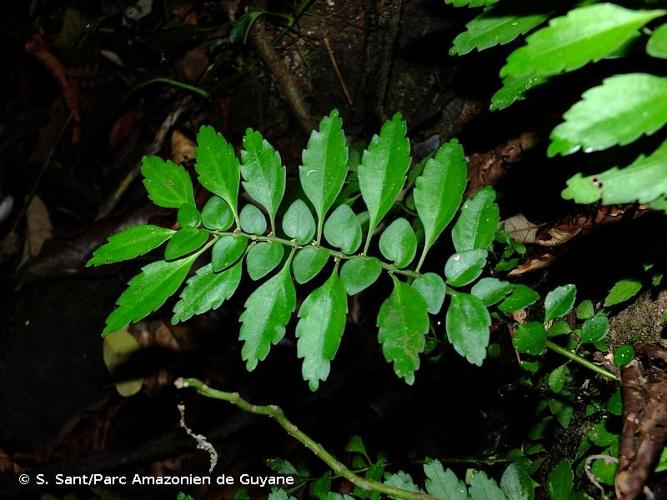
(298, 222)
(530, 338)
(342, 229)
(216, 214)
(188, 215)
(398, 243)
(263, 258)
(432, 288)
(252, 220)
(227, 250)
(491, 290)
(359, 273)
(186, 240)
(559, 301)
(465, 267)
(308, 262)
(595, 329)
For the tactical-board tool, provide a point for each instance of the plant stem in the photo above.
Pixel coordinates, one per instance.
(583, 362)
(295, 245)
(278, 415)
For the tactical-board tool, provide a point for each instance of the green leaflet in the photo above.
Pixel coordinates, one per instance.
(499, 25)
(186, 240)
(263, 172)
(252, 220)
(267, 311)
(324, 167)
(188, 215)
(206, 290)
(657, 44)
(467, 324)
(514, 89)
(585, 34)
(398, 243)
(521, 297)
(623, 290)
(308, 262)
(559, 302)
(342, 229)
(439, 190)
(216, 214)
(227, 250)
(298, 222)
(561, 481)
(168, 184)
(403, 323)
(619, 111)
(130, 243)
(470, 3)
(263, 258)
(491, 290)
(359, 273)
(443, 484)
(477, 223)
(320, 329)
(465, 267)
(432, 288)
(483, 487)
(530, 338)
(147, 291)
(595, 328)
(516, 483)
(218, 167)
(643, 181)
(383, 169)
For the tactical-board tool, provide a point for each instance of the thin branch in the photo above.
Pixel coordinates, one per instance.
(583, 362)
(339, 75)
(278, 415)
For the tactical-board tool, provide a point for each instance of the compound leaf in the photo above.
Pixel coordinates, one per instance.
(643, 181)
(383, 168)
(342, 229)
(432, 288)
(168, 185)
(263, 258)
(186, 240)
(206, 290)
(619, 111)
(585, 34)
(467, 324)
(443, 483)
(263, 172)
(559, 302)
(267, 311)
(439, 190)
(403, 323)
(477, 223)
(324, 164)
(359, 273)
(308, 262)
(217, 166)
(498, 25)
(320, 329)
(130, 243)
(147, 291)
(298, 222)
(398, 243)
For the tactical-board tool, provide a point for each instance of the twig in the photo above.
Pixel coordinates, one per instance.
(202, 443)
(278, 415)
(589, 473)
(337, 71)
(578, 359)
(285, 79)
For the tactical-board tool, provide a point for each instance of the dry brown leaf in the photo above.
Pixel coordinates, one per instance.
(538, 261)
(182, 148)
(521, 229)
(39, 227)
